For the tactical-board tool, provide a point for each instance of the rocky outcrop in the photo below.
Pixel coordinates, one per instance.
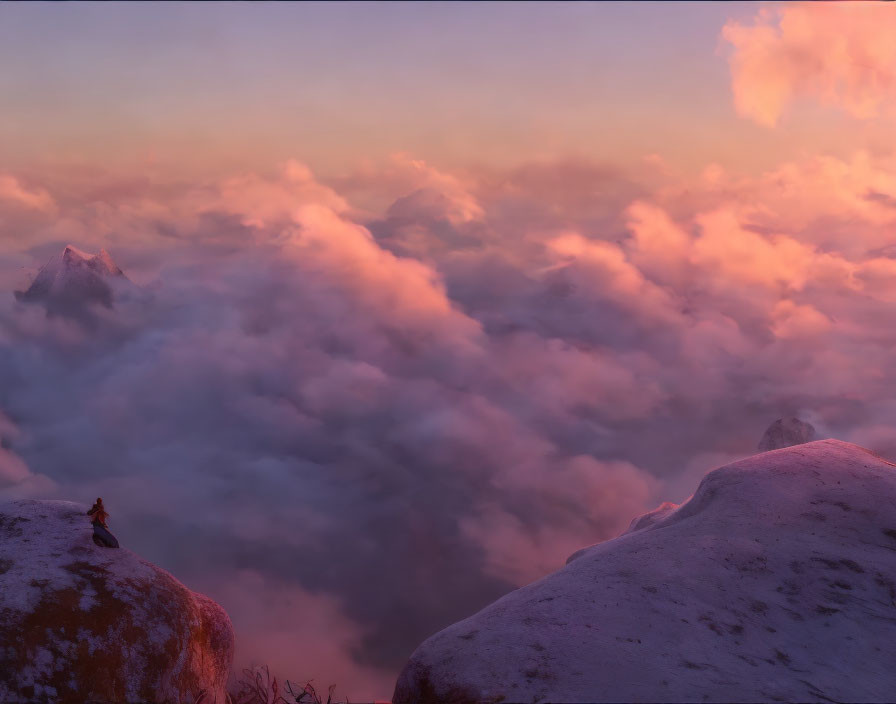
(82, 623)
(78, 285)
(776, 581)
(786, 432)
(74, 277)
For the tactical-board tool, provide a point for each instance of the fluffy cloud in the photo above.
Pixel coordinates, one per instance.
(727, 250)
(577, 494)
(12, 191)
(385, 421)
(840, 54)
(795, 320)
(658, 246)
(405, 186)
(289, 370)
(259, 201)
(16, 479)
(299, 635)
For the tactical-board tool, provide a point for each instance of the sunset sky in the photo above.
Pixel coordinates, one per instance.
(242, 85)
(441, 292)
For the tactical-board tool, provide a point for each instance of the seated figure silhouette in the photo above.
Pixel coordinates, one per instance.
(101, 534)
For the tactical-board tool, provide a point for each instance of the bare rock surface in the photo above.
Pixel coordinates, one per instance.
(775, 581)
(79, 622)
(786, 432)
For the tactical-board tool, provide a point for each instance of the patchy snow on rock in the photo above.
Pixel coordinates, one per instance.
(79, 622)
(74, 273)
(776, 581)
(72, 281)
(786, 432)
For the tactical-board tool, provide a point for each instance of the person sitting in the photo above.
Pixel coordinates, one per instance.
(101, 534)
(99, 513)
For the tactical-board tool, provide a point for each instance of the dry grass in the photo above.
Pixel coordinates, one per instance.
(258, 686)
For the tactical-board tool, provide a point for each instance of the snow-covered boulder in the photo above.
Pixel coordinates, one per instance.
(786, 432)
(776, 581)
(82, 623)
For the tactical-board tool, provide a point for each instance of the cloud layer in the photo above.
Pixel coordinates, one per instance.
(840, 54)
(394, 419)
(354, 410)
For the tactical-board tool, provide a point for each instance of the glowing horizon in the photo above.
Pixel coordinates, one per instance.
(243, 86)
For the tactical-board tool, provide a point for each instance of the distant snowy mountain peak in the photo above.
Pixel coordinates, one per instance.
(106, 260)
(71, 252)
(72, 280)
(101, 263)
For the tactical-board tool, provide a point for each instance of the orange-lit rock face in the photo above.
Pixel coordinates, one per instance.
(79, 622)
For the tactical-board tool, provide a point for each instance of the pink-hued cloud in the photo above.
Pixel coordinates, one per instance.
(406, 184)
(791, 319)
(388, 419)
(658, 246)
(299, 635)
(840, 54)
(271, 201)
(583, 490)
(17, 481)
(13, 192)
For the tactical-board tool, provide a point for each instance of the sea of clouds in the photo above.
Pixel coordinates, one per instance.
(356, 410)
